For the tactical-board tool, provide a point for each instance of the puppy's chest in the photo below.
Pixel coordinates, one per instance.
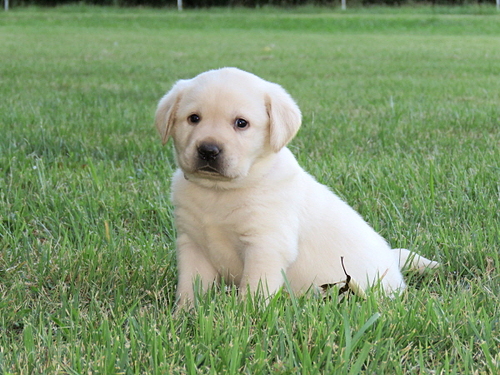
(219, 226)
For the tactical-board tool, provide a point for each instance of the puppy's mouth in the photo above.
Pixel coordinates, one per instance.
(210, 169)
(206, 170)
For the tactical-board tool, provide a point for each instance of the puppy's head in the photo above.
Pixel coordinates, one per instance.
(224, 121)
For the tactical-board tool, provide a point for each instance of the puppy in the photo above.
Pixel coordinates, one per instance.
(245, 211)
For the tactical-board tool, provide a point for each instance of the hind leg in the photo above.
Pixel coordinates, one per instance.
(414, 262)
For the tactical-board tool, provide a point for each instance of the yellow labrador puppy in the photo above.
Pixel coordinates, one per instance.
(245, 210)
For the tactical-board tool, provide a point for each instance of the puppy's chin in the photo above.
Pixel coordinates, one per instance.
(212, 180)
(207, 175)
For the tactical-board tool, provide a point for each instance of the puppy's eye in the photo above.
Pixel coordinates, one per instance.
(194, 119)
(241, 123)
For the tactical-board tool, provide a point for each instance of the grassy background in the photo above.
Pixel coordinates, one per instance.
(401, 118)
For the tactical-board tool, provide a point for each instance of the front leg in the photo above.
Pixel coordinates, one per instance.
(266, 262)
(192, 264)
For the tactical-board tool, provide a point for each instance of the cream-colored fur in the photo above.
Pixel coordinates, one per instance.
(245, 210)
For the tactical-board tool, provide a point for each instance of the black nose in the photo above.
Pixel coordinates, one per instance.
(208, 151)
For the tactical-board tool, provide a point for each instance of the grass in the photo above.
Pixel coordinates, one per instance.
(401, 118)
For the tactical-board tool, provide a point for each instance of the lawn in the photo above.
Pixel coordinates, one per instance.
(401, 118)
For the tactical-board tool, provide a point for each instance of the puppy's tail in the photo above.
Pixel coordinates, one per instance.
(414, 262)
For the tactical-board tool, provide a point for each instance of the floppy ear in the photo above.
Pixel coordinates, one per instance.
(284, 117)
(167, 108)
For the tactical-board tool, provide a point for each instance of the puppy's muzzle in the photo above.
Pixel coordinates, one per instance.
(210, 158)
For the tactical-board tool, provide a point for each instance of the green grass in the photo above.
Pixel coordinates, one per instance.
(401, 118)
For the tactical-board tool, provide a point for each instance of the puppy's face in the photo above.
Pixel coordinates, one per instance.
(224, 121)
(220, 128)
